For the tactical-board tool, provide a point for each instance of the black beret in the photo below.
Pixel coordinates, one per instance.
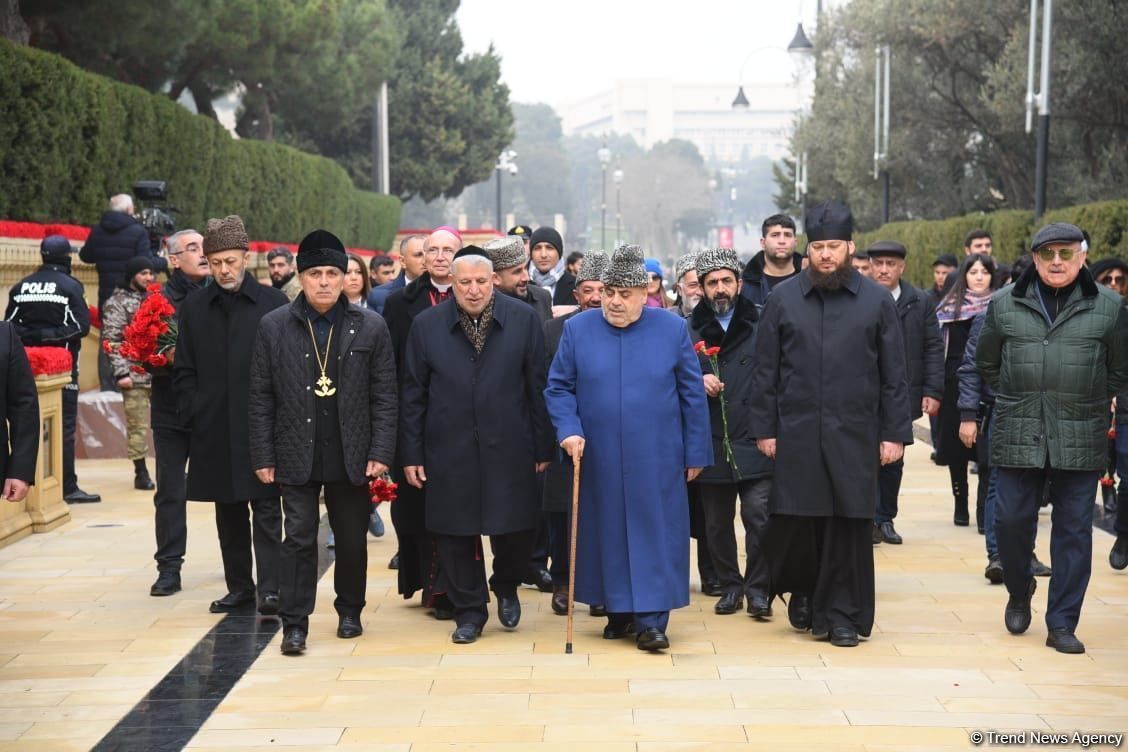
(1057, 232)
(946, 259)
(322, 248)
(887, 248)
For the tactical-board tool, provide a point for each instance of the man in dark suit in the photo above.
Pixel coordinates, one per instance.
(477, 463)
(412, 267)
(19, 425)
(211, 378)
(334, 436)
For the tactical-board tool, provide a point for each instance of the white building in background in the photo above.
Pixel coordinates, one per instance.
(659, 110)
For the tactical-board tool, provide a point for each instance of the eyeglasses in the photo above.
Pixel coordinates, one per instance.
(1066, 254)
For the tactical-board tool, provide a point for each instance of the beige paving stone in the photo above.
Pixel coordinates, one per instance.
(443, 734)
(240, 738)
(523, 747)
(634, 732)
(981, 720)
(13, 731)
(267, 717)
(541, 716)
(575, 701)
(50, 730)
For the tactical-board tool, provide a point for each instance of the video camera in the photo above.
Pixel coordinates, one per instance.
(156, 212)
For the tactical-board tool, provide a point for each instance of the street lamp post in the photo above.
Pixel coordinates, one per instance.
(1040, 101)
(617, 177)
(881, 126)
(505, 162)
(604, 157)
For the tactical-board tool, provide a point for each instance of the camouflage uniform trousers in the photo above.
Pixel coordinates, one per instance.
(136, 420)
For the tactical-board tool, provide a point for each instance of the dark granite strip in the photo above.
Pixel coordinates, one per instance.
(167, 718)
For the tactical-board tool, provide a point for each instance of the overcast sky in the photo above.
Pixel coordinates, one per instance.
(556, 52)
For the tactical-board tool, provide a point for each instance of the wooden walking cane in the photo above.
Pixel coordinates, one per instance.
(572, 550)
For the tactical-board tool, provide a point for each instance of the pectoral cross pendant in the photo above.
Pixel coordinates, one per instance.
(325, 387)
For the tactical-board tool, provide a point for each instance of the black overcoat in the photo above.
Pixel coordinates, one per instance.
(211, 378)
(19, 423)
(924, 350)
(282, 404)
(829, 385)
(736, 357)
(477, 423)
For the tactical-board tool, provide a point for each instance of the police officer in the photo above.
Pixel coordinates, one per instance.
(48, 309)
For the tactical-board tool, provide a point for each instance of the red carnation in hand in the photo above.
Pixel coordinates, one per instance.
(711, 351)
(155, 287)
(699, 347)
(382, 489)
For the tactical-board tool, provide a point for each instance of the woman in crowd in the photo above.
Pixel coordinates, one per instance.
(655, 291)
(357, 285)
(975, 281)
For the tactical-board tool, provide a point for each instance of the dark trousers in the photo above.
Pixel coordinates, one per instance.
(461, 560)
(705, 569)
(233, 521)
(559, 532)
(70, 421)
(1071, 535)
(829, 559)
(169, 500)
(542, 545)
(348, 507)
(659, 620)
(889, 488)
(717, 503)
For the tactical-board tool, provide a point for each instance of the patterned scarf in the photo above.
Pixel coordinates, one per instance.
(547, 279)
(972, 306)
(477, 331)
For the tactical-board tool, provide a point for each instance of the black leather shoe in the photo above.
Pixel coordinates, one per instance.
(541, 579)
(888, 534)
(799, 611)
(508, 611)
(230, 602)
(843, 637)
(759, 607)
(142, 481)
(876, 536)
(1017, 614)
(293, 641)
(1038, 569)
(466, 634)
(394, 563)
(1118, 556)
(78, 496)
(349, 627)
(729, 603)
(268, 604)
(560, 602)
(994, 571)
(618, 630)
(597, 610)
(1064, 641)
(167, 583)
(652, 640)
(712, 587)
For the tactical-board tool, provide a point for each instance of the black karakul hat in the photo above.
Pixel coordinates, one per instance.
(472, 250)
(322, 248)
(830, 220)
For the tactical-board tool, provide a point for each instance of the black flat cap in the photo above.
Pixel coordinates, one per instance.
(946, 259)
(887, 248)
(1057, 232)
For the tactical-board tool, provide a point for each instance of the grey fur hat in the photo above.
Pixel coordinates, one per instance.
(225, 234)
(684, 264)
(712, 259)
(626, 269)
(592, 267)
(507, 252)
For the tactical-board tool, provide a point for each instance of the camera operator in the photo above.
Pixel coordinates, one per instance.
(117, 238)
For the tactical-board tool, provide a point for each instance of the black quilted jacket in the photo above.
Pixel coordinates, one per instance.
(282, 403)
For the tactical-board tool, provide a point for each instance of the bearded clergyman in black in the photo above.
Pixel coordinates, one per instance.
(830, 404)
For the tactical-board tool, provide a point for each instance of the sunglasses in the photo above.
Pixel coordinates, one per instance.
(1066, 254)
(1112, 279)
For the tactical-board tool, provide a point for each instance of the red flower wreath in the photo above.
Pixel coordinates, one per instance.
(46, 361)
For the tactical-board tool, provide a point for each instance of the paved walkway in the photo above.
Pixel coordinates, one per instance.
(81, 642)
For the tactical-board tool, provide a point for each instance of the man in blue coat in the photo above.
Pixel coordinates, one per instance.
(625, 393)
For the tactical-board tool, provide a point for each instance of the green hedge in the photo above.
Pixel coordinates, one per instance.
(1106, 223)
(69, 139)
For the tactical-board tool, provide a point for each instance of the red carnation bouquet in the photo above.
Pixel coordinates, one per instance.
(47, 361)
(382, 489)
(711, 353)
(95, 317)
(150, 334)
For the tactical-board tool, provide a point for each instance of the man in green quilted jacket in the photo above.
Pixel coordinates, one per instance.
(1054, 346)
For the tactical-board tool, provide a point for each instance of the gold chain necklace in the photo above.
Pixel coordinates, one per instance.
(325, 386)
